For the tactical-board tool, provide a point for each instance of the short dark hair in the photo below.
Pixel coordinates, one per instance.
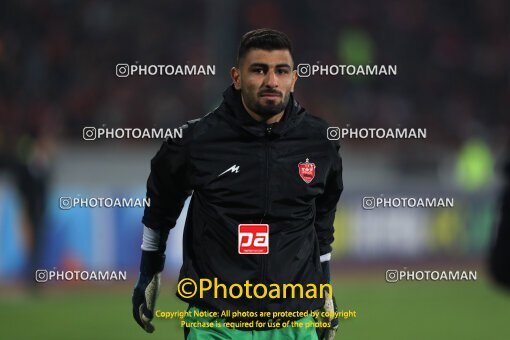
(264, 39)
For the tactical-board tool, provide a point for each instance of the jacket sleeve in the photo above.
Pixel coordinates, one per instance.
(325, 205)
(168, 185)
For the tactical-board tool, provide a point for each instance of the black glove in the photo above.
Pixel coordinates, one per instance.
(147, 289)
(330, 309)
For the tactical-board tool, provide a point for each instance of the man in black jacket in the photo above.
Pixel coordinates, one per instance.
(499, 256)
(265, 181)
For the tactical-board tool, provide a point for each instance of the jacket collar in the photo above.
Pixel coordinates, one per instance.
(233, 110)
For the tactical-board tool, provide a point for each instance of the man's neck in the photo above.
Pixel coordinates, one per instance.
(271, 120)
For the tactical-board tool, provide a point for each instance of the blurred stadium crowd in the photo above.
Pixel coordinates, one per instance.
(57, 63)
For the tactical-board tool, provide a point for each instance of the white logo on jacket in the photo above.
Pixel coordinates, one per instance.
(234, 169)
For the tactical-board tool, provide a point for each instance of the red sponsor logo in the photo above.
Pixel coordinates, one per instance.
(253, 239)
(307, 171)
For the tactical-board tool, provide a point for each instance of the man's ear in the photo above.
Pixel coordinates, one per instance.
(294, 79)
(236, 77)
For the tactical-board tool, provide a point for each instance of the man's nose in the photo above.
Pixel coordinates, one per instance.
(271, 79)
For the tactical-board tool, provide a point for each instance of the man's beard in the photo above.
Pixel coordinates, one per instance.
(267, 110)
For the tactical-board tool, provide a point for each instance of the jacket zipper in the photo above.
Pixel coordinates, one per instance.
(266, 201)
(266, 190)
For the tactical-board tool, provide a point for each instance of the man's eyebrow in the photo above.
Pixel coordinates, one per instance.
(259, 65)
(266, 65)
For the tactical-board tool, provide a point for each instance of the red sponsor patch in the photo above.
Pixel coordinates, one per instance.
(307, 171)
(253, 239)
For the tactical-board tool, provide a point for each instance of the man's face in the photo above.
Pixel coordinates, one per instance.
(266, 80)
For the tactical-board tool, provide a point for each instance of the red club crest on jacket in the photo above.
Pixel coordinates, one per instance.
(306, 171)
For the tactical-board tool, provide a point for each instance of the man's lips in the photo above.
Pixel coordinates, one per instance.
(271, 95)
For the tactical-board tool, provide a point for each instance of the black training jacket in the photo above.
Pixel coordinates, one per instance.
(241, 171)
